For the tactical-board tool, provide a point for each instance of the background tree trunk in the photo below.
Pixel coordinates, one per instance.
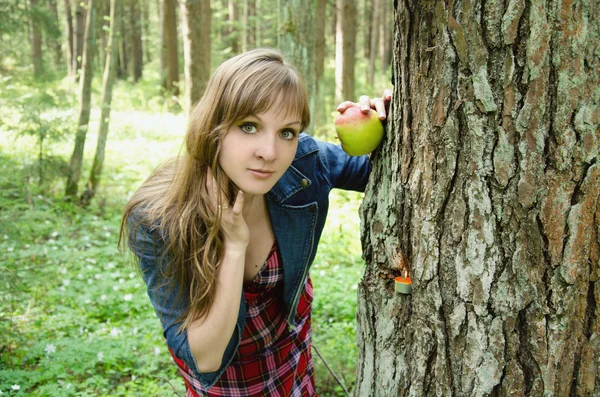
(345, 50)
(35, 36)
(70, 49)
(170, 46)
(195, 23)
(234, 35)
(378, 19)
(137, 51)
(319, 113)
(297, 41)
(85, 89)
(55, 38)
(80, 17)
(107, 87)
(487, 186)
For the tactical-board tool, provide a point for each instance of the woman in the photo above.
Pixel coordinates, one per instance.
(225, 234)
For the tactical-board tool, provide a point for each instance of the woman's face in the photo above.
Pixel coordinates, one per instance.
(258, 149)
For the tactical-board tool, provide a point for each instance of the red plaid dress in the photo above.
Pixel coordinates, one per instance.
(271, 360)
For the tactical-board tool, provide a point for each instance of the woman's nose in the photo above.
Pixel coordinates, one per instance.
(267, 149)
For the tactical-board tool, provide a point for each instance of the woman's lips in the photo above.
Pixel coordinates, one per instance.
(261, 174)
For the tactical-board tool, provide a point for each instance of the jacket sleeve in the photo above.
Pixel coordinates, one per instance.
(168, 301)
(344, 171)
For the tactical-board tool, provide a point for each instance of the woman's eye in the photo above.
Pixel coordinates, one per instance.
(288, 134)
(248, 128)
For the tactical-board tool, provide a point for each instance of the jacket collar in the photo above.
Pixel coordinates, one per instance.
(293, 180)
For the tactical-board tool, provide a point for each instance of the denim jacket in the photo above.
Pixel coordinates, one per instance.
(297, 204)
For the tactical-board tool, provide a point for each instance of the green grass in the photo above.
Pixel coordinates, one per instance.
(74, 315)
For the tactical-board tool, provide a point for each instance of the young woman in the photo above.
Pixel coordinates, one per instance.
(225, 233)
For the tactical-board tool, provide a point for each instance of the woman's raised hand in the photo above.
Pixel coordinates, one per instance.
(380, 105)
(235, 230)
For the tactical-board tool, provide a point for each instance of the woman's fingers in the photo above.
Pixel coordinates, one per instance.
(238, 206)
(345, 105)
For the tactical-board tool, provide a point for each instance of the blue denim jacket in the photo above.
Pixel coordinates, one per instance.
(298, 205)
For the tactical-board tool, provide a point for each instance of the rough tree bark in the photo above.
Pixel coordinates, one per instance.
(195, 24)
(487, 187)
(85, 96)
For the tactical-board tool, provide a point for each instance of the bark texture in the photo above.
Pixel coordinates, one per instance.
(487, 187)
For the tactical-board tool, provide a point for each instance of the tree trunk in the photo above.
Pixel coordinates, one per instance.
(146, 31)
(234, 34)
(35, 38)
(345, 50)
(195, 23)
(369, 23)
(55, 39)
(245, 15)
(85, 89)
(374, 44)
(297, 41)
(319, 114)
(107, 87)
(70, 53)
(137, 51)
(170, 46)
(385, 35)
(80, 17)
(487, 187)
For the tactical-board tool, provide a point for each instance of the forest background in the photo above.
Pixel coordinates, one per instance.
(74, 315)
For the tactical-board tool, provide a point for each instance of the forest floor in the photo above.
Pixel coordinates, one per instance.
(74, 315)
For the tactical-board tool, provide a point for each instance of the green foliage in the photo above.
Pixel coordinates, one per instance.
(76, 319)
(42, 113)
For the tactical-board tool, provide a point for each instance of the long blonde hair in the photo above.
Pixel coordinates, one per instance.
(175, 197)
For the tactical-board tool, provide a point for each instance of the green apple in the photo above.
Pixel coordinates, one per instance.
(360, 133)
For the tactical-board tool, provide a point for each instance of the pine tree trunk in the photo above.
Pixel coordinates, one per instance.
(487, 187)
(345, 50)
(170, 45)
(85, 88)
(107, 88)
(297, 41)
(70, 57)
(137, 51)
(195, 23)
(35, 38)
(80, 18)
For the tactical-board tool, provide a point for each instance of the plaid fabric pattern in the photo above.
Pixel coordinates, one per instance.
(271, 359)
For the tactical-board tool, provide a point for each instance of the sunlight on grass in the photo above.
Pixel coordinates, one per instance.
(74, 315)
